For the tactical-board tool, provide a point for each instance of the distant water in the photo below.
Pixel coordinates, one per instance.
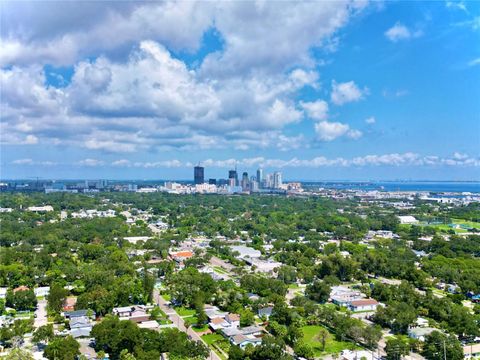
(473, 187)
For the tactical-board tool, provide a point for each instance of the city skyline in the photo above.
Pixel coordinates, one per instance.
(319, 91)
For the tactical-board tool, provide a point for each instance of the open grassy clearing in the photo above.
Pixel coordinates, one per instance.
(332, 346)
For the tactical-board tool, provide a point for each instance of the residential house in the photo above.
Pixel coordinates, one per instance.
(358, 354)
(421, 322)
(342, 295)
(42, 291)
(363, 305)
(227, 321)
(21, 288)
(471, 351)
(150, 324)
(420, 333)
(242, 341)
(80, 326)
(79, 313)
(266, 311)
(69, 303)
(135, 313)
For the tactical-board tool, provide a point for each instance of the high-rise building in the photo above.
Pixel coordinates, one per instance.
(232, 174)
(212, 181)
(245, 181)
(277, 180)
(198, 175)
(260, 177)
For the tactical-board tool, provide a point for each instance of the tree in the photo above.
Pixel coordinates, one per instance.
(318, 291)
(43, 333)
(396, 348)
(113, 335)
(125, 355)
(247, 317)
(371, 336)
(62, 349)
(56, 297)
(19, 354)
(270, 348)
(439, 346)
(322, 337)
(235, 353)
(304, 350)
(294, 333)
(21, 300)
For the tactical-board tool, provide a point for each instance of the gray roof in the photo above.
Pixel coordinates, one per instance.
(77, 313)
(81, 332)
(79, 322)
(251, 330)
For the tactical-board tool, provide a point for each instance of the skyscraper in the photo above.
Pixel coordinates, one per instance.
(198, 175)
(277, 180)
(232, 174)
(245, 181)
(260, 176)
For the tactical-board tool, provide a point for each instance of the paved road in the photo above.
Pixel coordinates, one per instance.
(41, 314)
(179, 323)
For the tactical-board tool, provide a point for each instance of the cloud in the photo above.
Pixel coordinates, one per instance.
(391, 94)
(371, 120)
(474, 62)
(128, 94)
(400, 32)
(392, 159)
(346, 92)
(90, 162)
(61, 33)
(316, 110)
(328, 131)
(33, 162)
(456, 5)
(151, 101)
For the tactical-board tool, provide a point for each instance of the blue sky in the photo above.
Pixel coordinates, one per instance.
(317, 90)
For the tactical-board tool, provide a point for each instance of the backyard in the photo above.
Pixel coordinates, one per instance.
(332, 346)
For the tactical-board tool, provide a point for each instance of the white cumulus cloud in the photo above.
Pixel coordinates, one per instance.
(346, 92)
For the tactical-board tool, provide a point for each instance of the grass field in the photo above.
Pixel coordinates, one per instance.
(331, 345)
(183, 311)
(446, 227)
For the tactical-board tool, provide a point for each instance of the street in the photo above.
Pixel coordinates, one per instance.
(179, 323)
(41, 314)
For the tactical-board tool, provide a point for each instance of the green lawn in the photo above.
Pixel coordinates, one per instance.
(201, 328)
(217, 343)
(331, 345)
(167, 297)
(183, 311)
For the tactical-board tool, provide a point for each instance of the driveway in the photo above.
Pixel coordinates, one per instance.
(40, 314)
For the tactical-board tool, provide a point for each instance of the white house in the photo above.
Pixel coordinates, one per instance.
(420, 333)
(3, 292)
(407, 219)
(45, 208)
(242, 341)
(363, 305)
(41, 291)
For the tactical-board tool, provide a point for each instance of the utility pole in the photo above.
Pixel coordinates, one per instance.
(444, 350)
